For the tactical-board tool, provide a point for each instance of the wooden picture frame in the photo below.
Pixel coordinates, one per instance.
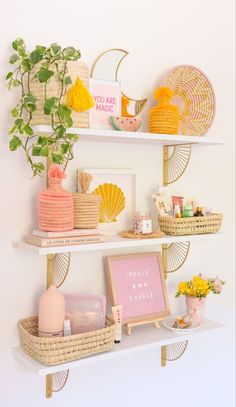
(137, 282)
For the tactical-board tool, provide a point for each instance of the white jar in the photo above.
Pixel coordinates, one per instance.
(142, 223)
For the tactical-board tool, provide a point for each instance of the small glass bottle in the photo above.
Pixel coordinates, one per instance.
(177, 212)
(67, 327)
(187, 211)
(199, 211)
(142, 223)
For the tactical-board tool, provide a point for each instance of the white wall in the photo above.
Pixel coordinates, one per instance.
(159, 35)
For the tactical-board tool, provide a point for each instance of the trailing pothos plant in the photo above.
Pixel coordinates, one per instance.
(41, 65)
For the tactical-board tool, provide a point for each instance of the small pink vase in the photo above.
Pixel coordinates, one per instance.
(51, 313)
(196, 308)
(55, 208)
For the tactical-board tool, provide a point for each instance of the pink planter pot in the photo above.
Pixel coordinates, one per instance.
(196, 308)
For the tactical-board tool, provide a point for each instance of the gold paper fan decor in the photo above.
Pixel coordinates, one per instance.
(194, 96)
(112, 202)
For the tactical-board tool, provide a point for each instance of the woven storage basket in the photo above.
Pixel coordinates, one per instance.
(54, 351)
(190, 226)
(86, 210)
(75, 69)
(163, 120)
(55, 208)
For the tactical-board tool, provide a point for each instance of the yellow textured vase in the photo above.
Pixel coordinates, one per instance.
(164, 118)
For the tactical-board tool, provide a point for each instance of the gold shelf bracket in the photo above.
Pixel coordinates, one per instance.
(175, 161)
(174, 256)
(55, 382)
(170, 353)
(58, 266)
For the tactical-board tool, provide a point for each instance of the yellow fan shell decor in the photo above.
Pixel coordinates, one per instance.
(112, 202)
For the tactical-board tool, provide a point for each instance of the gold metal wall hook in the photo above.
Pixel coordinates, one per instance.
(175, 162)
(174, 256)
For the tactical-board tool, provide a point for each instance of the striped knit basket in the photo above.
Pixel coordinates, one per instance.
(55, 208)
(164, 118)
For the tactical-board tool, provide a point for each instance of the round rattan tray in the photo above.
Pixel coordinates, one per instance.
(131, 235)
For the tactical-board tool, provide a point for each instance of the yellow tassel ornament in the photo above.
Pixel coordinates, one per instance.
(78, 97)
(164, 118)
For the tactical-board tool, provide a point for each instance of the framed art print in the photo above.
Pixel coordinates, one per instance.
(137, 282)
(116, 187)
(107, 96)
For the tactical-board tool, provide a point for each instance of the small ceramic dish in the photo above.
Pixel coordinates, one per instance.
(168, 324)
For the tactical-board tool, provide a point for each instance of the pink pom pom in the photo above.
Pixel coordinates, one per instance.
(56, 172)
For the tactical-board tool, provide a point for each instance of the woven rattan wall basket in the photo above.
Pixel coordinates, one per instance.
(54, 351)
(75, 69)
(190, 226)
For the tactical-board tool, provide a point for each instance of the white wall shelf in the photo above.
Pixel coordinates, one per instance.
(115, 242)
(142, 338)
(113, 136)
(58, 258)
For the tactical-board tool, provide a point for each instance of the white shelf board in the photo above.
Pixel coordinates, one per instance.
(142, 338)
(115, 242)
(108, 136)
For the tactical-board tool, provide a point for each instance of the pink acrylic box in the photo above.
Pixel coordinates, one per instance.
(86, 312)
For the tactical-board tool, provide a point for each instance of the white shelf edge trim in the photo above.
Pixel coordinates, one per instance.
(115, 242)
(142, 338)
(104, 135)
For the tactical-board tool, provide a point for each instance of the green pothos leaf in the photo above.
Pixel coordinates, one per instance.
(15, 143)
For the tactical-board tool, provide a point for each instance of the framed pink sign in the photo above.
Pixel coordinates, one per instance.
(137, 282)
(107, 96)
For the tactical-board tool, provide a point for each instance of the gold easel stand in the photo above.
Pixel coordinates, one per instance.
(154, 321)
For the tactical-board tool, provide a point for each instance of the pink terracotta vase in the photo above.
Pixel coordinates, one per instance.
(55, 205)
(51, 313)
(196, 308)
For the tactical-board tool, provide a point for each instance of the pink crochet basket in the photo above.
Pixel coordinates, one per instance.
(55, 204)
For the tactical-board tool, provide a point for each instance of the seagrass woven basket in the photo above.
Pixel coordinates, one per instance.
(86, 210)
(54, 351)
(75, 69)
(86, 204)
(190, 226)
